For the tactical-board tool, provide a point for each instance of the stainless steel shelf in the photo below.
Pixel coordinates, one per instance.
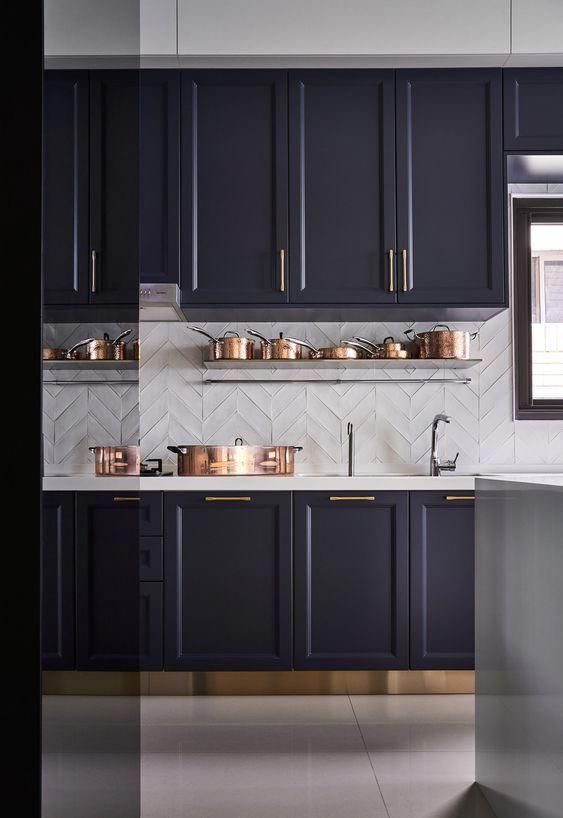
(87, 366)
(351, 364)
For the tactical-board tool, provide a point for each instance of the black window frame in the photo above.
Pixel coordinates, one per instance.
(525, 213)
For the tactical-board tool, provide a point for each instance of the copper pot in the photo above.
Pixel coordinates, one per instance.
(443, 342)
(234, 460)
(388, 349)
(230, 347)
(278, 349)
(136, 350)
(58, 354)
(347, 350)
(117, 461)
(104, 349)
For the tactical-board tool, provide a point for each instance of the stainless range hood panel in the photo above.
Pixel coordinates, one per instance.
(160, 302)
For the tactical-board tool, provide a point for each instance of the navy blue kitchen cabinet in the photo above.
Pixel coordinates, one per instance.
(351, 581)
(227, 581)
(342, 186)
(65, 188)
(533, 109)
(450, 188)
(118, 616)
(57, 581)
(442, 578)
(234, 187)
(159, 170)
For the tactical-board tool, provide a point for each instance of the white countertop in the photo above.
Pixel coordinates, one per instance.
(536, 479)
(317, 482)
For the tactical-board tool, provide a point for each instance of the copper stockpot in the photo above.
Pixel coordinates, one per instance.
(234, 460)
(350, 350)
(388, 349)
(57, 354)
(104, 349)
(230, 347)
(117, 461)
(443, 342)
(278, 349)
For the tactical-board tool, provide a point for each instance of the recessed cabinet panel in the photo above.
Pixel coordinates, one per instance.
(533, 109)
(234, 187)
(351, 581)
(442, 581)
(342, 186)
(65, 188)
(228, 581)
(57, 582)
(450, 190)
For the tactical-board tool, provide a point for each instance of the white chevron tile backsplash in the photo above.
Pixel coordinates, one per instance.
(391, 421)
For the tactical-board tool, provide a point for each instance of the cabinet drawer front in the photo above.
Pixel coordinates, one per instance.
(150, 559)
(228, 581)
(351, 580)
(533, 109)
(442, 581)
(150, 514)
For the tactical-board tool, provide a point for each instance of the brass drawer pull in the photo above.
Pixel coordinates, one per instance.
(405, 283)
(94, 287)
(282, 270)
(222, 499)
(460, 497)
(391, 274)
(130, 499)
(351, 498)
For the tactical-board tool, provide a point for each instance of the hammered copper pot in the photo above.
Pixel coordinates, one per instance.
(238, 459)
(278, 349)
(443, 342)
(350, 350)
(117, 461)
(104, 349)
(58, 354)
(230, 347)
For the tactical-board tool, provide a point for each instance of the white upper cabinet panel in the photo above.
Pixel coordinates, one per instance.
(91, 27)
(158, 26)
(343, 27)
(537, 26)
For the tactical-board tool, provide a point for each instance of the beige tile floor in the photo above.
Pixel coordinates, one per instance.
(309, 757)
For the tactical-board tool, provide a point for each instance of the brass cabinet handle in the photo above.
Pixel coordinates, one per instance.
(460, 497)
(94, 287)
(405, 283)
(351, 498)
(391, 274)
(123, 499)
(222, 499)
(282, 270)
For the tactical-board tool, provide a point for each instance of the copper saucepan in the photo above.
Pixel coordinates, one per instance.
(388, 349)
(234, 460)
(278, 349)
(117, 461)
(104, 349)
(58, 354)
(230, 347)
(443, 342)
(346, 350)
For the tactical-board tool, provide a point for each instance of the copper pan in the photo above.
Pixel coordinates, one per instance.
(239, 459)
(104, 349)
(58, 354)
(230, 347)
(350, 350)
(117, 461)
(443, 342)
(278, 349)
(388, 349)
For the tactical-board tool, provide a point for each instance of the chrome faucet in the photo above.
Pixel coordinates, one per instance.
(436, 465)
(350, 431)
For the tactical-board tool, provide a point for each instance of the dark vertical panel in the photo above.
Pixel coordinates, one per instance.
(442, 582)
(234, 186)
(351, 582)
(342, 185)
(227, 582)
(57, 581)
(450, 188)
(533, 109)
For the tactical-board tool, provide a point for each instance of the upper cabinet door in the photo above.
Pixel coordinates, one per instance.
(159, 173)
(114, 187)
(234, 187)
(65, 188)
(450, 193)
(533, 109)
(342, 186)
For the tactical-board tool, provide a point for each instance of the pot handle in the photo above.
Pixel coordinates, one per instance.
(297, 448)
(177, 449)
(414, 333)
(259, 335)
(238, 441)
(122, 335)
(357, 345)
(443, 326)
(204, 332)
(93, 449)
(232, 332)
(79, 344)
(474, 335)
(374, 346)
(390, 339)
(303, 344)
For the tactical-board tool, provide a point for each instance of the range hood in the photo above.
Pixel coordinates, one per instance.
(160, 302)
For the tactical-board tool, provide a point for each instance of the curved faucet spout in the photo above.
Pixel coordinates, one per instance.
(435, 465)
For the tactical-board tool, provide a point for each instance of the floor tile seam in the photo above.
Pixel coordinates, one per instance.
(369, 758)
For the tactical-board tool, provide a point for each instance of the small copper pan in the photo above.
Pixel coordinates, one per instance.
(278, 349)
(350, 350)
(230, 347)
(58, 354)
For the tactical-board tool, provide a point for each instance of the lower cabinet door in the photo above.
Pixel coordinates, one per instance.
(118, 617)
(351, 580)
(57, 581)
(227, 581)
(442, 580)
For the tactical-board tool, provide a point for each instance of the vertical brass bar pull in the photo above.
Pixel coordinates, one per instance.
(282, 270)
(391, 273)
(405, 283)
(94, 287)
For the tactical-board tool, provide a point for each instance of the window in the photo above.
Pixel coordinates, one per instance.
(538, 307)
